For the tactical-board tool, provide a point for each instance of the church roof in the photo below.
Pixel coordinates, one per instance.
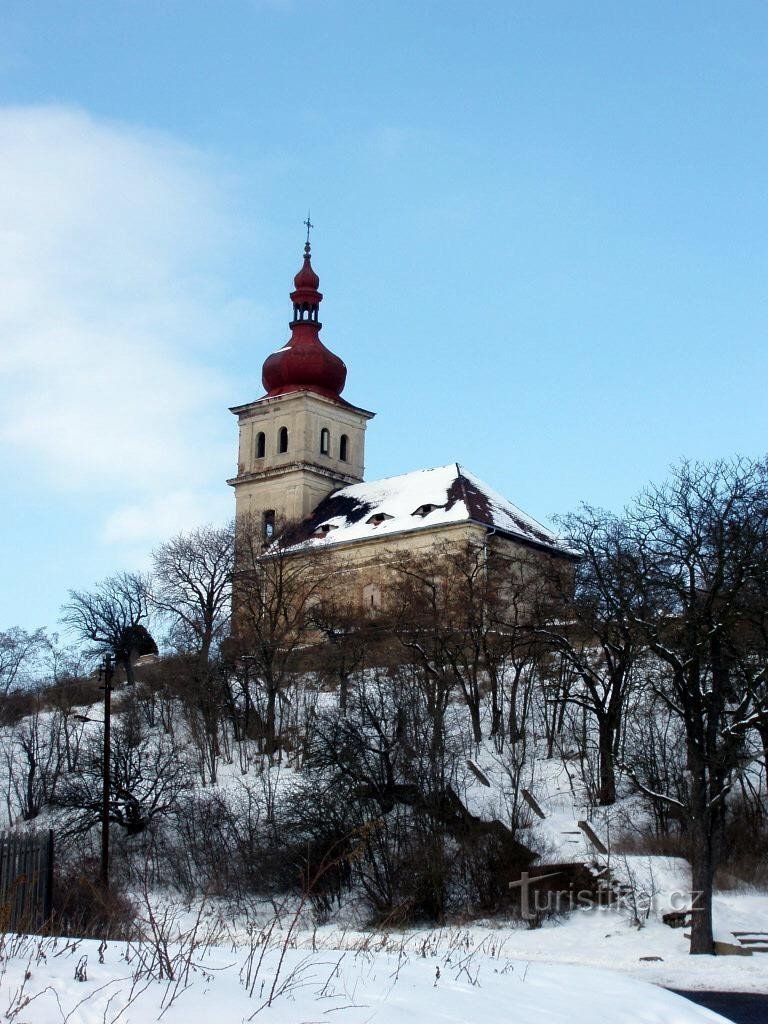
(420, 500)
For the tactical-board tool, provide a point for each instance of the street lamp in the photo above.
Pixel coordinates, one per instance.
(106, 672)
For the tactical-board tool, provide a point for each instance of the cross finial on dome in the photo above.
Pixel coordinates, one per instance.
(309, 226)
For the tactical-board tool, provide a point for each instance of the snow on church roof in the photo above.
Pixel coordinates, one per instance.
(420, 500)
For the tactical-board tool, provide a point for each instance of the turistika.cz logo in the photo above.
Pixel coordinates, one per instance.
(536, 902)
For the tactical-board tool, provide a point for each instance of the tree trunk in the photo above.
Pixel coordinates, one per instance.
(130, 678)
(606, 742)
(702, 873)
(762, 729)
(496, 717)
(514, 730)
(271, 739)
(474, 714)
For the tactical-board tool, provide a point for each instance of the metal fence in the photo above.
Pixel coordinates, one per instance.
(26, 880)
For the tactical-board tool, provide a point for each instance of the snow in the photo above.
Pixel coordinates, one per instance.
(607, 937)
(459, 497)
(399, 497)
(457, 985)
(585, 966)
(508, 517)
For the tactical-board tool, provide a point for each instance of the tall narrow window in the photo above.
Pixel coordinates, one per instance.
(269, 524)
(325, 441)
(282, 443)
(343, 448)
(261, 445)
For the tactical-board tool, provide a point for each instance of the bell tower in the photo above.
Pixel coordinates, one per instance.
(301, 439)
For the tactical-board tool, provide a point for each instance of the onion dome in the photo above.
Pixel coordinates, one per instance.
(306, 279)
(304, 363)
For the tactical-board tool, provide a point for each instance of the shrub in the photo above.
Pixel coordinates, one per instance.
(82, 908)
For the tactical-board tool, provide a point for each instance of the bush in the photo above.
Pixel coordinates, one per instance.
(75, 692)
(17, 705)
(745, 842)
(81, 908)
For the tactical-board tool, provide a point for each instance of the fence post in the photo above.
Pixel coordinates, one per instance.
(48, 898)
(26, 879)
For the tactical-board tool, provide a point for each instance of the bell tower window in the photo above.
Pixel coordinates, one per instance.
(282, 440)
(269, 524)
(343, 448)
(371, 598)
(325, 441)
(261, 445)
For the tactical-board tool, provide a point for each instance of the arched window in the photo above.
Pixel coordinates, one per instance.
(261, 445)
(371, 598)
(344, 448)
(269, 524)
(282, 440)
(325, 441)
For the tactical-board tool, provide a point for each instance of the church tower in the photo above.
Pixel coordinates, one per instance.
(301, 440)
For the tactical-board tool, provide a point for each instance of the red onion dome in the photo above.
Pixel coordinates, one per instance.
(306, 277)
(304, 363)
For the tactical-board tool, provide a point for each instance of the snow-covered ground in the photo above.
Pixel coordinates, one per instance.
(592, 964)
(602, 939)
(607, 937)
(56, 983)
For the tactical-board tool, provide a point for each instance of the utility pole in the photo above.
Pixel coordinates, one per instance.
(106, 672)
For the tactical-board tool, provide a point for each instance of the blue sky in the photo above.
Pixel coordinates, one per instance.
(541, 231)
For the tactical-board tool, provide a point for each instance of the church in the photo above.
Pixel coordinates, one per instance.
(301, 461)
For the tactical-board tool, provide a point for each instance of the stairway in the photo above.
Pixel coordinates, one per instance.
(756, 942)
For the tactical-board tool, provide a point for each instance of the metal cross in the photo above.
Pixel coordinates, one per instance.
(309, 226)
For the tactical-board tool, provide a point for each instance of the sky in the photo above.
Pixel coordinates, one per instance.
(541, 231)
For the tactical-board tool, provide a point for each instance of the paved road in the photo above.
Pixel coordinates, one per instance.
(741, 1007)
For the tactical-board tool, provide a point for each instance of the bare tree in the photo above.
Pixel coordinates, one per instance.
(63, 663)
(751, 651)
(18, 651)
(34, 758)
(464, 612)
(148, 775)
(377, 776)
(698, 544)
(191, 586)
(595, 630)
(110, 619)
(346, 634)
(204, 702)
(277, 585)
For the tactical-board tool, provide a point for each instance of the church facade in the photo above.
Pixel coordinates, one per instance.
(301, 461)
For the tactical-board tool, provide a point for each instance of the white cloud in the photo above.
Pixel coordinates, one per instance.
(165, 515)
(111, 317)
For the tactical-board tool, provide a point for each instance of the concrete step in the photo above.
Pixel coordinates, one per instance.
(757, 942)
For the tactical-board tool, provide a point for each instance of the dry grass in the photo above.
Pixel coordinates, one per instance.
(651, 845)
